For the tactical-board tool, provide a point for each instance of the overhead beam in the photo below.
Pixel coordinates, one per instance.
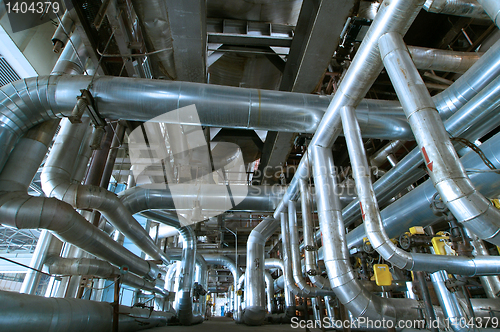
(187, 20)
(317, 36)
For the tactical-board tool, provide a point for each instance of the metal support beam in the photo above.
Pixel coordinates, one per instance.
(316, 39)
(189, 40)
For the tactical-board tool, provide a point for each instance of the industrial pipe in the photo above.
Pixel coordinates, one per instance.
(373, 222)
(76, 315)
(56, 182)
(464, 8)
(187, 269)
(445, 170)
(255, 295)
(343, 279)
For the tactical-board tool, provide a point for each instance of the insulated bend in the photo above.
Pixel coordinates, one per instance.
(445, 170)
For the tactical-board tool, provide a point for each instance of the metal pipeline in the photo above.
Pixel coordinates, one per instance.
(474, 120)
(465, 8)
(485, 70)
(445, 170)
(153, 17)
(290, 238)
(413, 209)
(72, 59)
(491, 284)
(56, 182)
(443, 60)
(187, 269)
(255, 295)
(343, 279)
(310, 247)
(269, 291)
(235, 271)
(277, 263)
(393, 15)
(18, 209)
(98, 268)
(76, 315)
(492, 8)
(63, 31)
(449, 302)
(375, 229)
(258, 198)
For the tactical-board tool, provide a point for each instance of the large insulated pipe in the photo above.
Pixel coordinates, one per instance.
(310, 248)
(257, 199)
(30, 151)
(472, 121)
(235, 271)
(445, 170)
(276, 263)
(187, 268)
(443, 60)
(269, 291)
(25, 313)
(465, 8)
(56, 182)
(393, 15)
(469, 84)
(343, 279)
(373, 222)
(19, 210)
(413, 209)
(492, 8)
(98, 268)
(449, 303)
(255, 293)
(292, 251)
(491, 284)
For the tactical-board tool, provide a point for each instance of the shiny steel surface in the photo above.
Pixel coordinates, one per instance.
(396, 15)
(343, 280)
(61, 315)
(466, 8)
(485, 70)
(413, 208)
(255, 295)
(235, 271)
(187, 268)
(153, 17)
(373, 222)
(470, 208)
(56, 182)
(293, 266)
(474, 120)
(443, 60)
(492, 8)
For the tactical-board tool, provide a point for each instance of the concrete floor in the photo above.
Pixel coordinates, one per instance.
(223, 324)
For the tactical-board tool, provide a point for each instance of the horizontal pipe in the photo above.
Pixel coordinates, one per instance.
(464, 8)
(25, 313)
(443, 60)
(257, 198)
(98, 268)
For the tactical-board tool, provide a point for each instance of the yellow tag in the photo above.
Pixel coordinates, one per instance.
(439, 244)
(417, 230)
(383, 276)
